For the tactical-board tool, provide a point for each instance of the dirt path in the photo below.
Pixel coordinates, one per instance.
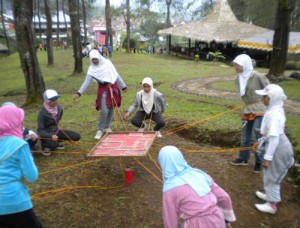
(203, 87)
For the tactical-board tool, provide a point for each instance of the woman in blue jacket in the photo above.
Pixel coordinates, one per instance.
(16, 163)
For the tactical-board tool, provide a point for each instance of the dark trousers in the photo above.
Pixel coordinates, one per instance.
(140, 116)
(250, 134)
(20, 220)
(62, 135)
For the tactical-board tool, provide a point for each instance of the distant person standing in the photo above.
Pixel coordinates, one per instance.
(252, 114)
(110, 50)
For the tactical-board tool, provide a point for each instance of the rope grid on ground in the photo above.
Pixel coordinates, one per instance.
(63, 190)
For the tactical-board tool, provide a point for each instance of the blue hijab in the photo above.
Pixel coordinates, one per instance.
(177, 172)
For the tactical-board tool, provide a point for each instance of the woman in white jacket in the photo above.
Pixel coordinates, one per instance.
(278, 153)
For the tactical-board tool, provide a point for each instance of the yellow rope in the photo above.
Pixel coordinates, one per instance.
(216, 150)
(69, 166)
(155, 163)
(200, 121)
(141, 164)
(70, 188)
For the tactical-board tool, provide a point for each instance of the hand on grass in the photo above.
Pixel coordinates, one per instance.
(75, 96)
(126, 115)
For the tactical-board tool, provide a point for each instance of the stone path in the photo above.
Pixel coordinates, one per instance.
(203, 87)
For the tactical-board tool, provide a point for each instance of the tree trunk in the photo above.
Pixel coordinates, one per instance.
(168, 20)
(49, 40)
(57, 23)
(4, 29)
(84, 21)
(281, 38)
(39, 17)
(128, 26)
(109, 38)
(66, 24)
(76, 38)
(30, 66)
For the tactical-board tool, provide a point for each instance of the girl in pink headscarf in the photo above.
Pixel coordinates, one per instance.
(16, 163)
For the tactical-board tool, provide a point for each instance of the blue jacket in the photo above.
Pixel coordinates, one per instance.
(16, 162)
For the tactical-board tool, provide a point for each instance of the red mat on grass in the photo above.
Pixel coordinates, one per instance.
(123, 144)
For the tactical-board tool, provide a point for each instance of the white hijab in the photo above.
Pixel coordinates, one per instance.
(274, 119)
(104, 70)
(246, 62)
(148, 98)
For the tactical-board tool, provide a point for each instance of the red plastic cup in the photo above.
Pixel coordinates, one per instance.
(129, 175)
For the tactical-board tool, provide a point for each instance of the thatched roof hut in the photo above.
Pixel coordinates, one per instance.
(220, 25)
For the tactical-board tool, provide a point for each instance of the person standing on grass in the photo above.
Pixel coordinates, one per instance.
(16, 163)
(191, 198)
(151, 104)
(104, 73)
(278, 152)
(247, 82)
(48, 120)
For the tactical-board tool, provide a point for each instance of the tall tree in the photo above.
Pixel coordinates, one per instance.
(49, 41)
(23, 12)
(168, 18)
(57, 23)
(39, 18)
(65, 20)
(4, 29)
(76, 36)
(108, 17)
(84, 21)
(127, 20)
(281, 38)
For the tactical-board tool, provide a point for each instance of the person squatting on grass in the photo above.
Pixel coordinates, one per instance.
(48, 120)
(151, 104)
(278, 152)
(16, 163)
(104, 73)
(191, 198)
(247, 82)
(28, 135)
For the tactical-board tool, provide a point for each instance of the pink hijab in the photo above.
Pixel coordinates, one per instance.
(11, 121)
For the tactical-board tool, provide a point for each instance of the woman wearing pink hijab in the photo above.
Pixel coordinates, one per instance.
(16, 163)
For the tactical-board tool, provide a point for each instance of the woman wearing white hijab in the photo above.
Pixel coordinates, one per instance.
(190, 195)
(252, 113)
(278, 156)
(150, 104)
(104, 73)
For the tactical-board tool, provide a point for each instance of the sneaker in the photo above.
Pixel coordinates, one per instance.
(60, 146)
(107, 130)
(266, 208)
(257, 168)
(158, 134)
(46, 152)
(239, 161)
(261, 195)
(98, 135)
